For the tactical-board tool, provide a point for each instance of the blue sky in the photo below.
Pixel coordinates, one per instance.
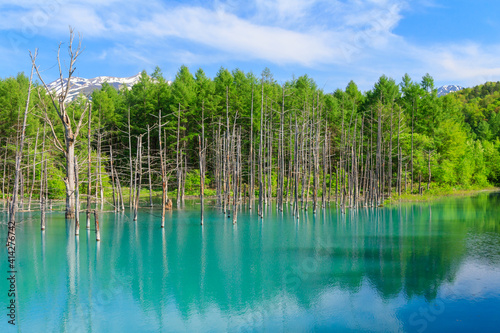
(333, 41)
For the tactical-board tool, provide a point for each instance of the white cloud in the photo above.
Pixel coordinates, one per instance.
(468, 63)
(225, 31)
(317, 34)
(283, 32)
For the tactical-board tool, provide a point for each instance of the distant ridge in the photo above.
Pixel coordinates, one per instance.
(445, 90)
(87, 86)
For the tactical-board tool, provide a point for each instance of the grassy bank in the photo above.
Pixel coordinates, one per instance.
(437, 193)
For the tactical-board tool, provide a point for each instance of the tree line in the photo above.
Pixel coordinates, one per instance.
(242, 138)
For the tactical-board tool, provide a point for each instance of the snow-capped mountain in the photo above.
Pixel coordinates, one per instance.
(445, 90)
(87, 86)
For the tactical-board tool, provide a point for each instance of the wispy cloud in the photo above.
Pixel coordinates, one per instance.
(311, 34)
(278, 31)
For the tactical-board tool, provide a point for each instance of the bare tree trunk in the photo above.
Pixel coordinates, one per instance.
(99, 164)
(184, 174)
(412, 121)
(120, 192)
(89, 170)
(138, 174)
(223, 157)
(5, 169)
(270, 159)
(324, 160)
(229, 150)
(378, 171)
(19, 155)
(406, 182)
(290, 163)
(97, 231)
(227, 192)
(77, 200)
(261, 185)
(149, 173)
(389, 173)
(21, 188)
(115, 205)
(315, 151)
(429, 167)
(281, 155)
(34, 169)
(130, 191)
(296, 169)
(218, 167)
(399, 154)
(163, 174)
(237, 162)
(252, 166)
(179, 158)
(420, 183)
(42, 183)
(201, 142)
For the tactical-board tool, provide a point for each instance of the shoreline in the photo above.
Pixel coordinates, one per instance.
(439, 194)
(405, 198)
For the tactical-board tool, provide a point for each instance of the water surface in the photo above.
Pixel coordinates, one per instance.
(415, 267)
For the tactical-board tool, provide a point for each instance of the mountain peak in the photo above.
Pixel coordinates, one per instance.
(84, 86)
(445, 90)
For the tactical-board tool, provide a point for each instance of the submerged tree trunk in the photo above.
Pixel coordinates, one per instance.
(179, 159)
(163, 174)
(89, 170)
(252, 166)
(237, 163)
(130, 190)
(34, 169)
(138, 174)
(42, 183)
(261, 185)
(19, 156)
(149, 172)
(97, 231)
(77, 201)
(115, 204)
(201, 143)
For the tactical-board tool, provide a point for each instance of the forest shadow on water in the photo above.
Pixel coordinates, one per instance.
(412, 267)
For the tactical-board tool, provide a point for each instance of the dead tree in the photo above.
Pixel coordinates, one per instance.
(77, 200)
(179, 158)
(429, 153)
(201, 144)
(70, 130)
(131, 169)
(115, 204)
(99, 169)
(43, 171)
(163, 174)
(19, 156)
(261, 185)
(149, 172)
(34, 169)
(138, 171)
(121, 204)
(89, 170)
(252, 167)
(236, 177)
(97, 230)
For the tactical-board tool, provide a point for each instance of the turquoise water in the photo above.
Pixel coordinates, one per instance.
(416, 268)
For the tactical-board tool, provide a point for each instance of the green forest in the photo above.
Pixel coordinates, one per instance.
(272, 139)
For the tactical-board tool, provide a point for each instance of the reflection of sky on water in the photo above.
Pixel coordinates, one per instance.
(372, 270)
